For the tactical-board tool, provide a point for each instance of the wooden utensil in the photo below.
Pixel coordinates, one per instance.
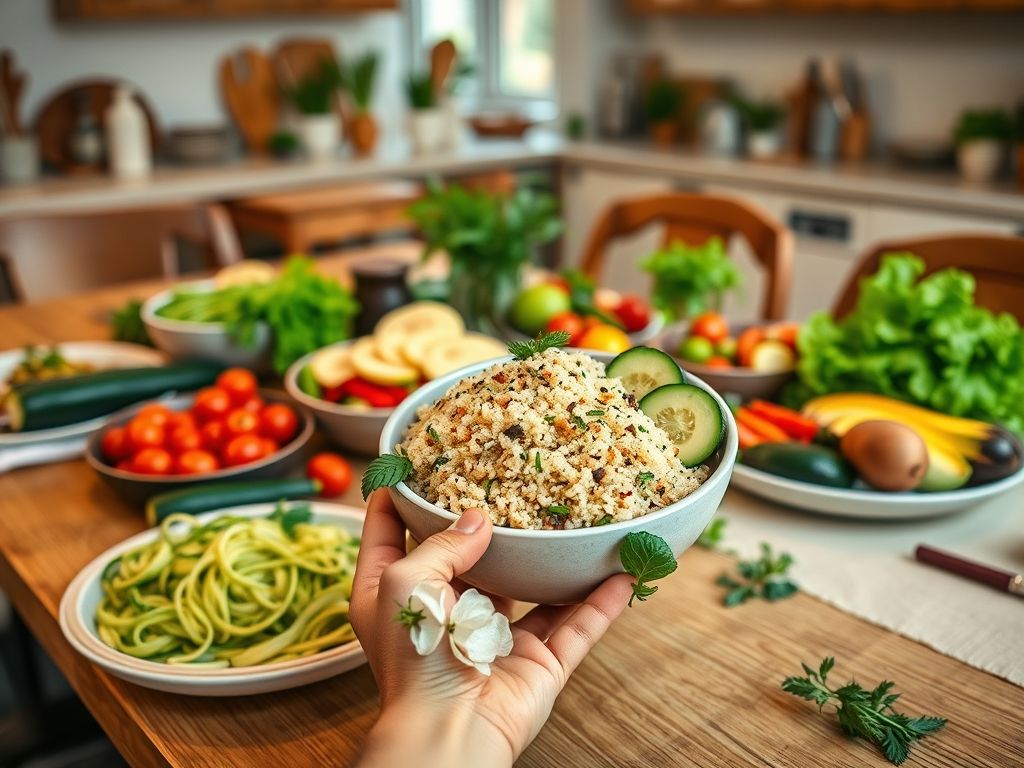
(442, 59)
(12, 84)
(1004, 581)
(250, 91)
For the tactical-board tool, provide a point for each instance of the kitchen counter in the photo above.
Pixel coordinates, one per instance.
(943, 191)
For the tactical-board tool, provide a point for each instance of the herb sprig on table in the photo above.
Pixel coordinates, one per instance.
(647, 557)
(713, 534)
(766, 577)
(867, 714)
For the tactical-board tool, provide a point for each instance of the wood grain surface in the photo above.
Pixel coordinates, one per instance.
(679, 680)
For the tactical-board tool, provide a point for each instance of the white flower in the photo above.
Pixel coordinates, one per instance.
(428, 625)
(478, 634)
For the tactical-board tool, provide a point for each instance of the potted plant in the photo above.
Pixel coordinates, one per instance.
(358, 79)
(663, 101)
(763, 121)
(318, 127)
(427, 121)
(690, 279)
(489, 238)
(981, 136)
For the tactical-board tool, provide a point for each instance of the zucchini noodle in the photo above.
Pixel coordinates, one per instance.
(234, 592)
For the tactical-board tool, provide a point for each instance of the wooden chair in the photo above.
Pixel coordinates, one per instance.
(995, 261)
(47, 257)
(692, 219)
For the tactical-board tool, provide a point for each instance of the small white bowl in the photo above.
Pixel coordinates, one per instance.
(352, 428)
(557, 567)
(186, 340)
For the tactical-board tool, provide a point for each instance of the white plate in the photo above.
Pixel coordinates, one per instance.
(103, 355)
(845, 502)
(83, 595)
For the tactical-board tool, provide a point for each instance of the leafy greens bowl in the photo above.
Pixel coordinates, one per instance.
(558, 566)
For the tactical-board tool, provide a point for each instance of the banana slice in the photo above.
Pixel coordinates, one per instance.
(448, 356)
(372, 367)
(245, 272)
(420, 317)
(332, 366)
(415, 348)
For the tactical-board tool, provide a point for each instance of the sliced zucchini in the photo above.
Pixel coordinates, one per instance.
(206, 498)
(644, 369)
(807, 463)
(691, 418)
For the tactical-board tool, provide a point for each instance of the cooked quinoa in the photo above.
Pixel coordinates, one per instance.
(546, 442)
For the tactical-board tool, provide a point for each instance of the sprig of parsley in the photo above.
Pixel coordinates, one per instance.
(646, 557)
(385, 471)
(765, 577)
(863, 713)
(525, 349)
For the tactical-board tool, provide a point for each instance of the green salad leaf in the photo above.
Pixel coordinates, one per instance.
(689, 279)
(922, 340)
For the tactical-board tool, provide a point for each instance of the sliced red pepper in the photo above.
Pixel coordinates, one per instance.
(333, 394)
(375, 394)
(748, 437)
(794, 424)
(768, 432)
(398, 393)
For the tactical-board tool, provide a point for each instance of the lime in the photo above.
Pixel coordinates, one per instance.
(696, 349)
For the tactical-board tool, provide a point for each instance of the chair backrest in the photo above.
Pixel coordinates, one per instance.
(995, 261)
(693, 219)
(47, 257)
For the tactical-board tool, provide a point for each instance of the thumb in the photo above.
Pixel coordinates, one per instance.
(451, 552)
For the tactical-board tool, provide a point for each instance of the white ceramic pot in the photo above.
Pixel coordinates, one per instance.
(320, 135)
(557, 567)
(764, 144)
(429, 129)
(980, 161)
(453, 129)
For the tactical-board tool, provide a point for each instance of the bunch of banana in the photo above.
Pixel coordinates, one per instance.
(959, 450)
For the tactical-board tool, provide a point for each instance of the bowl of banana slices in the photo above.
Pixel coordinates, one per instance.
(353, 386)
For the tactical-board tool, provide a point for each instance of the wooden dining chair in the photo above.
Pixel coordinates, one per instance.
(47, 257)
(693, 219)
(995, 261)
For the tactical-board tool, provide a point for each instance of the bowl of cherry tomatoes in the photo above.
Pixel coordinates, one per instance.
(229, 431)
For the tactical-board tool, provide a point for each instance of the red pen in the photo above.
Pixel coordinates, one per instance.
(1004, 581)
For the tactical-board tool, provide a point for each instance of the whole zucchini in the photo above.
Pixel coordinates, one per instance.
(58, 402)
(797, 461)
(206, 498)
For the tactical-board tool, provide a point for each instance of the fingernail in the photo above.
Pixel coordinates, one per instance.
(469, 522)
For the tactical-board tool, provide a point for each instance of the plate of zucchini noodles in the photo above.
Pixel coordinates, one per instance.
(239, 601)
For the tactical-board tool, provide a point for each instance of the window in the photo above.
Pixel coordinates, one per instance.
(510, 44)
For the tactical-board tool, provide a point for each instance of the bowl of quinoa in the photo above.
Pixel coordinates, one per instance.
(562, 460)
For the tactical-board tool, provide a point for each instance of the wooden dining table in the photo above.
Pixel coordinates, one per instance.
(678, 680)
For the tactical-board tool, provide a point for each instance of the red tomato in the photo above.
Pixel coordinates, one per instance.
(253, 405)
(746, 342)
(156, 412)
(182, 439)
(711, 325)
(213, 435)
(239, 383)
(559, 282)
(196, 462)
(278, 422)
(211, 403)
(181, 419)
(569, 322)
(126, 465)
(270, 447)
(333, 472)
(240, 422)
(115, 445)
(634, 313)
(785, 332)
(143, 433)
(152, 461)
(718, 362)
(244, 449)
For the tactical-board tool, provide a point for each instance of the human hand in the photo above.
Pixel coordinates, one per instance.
(435, 710)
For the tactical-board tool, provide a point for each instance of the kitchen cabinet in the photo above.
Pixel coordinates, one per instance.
(726, 7)
(142, 10)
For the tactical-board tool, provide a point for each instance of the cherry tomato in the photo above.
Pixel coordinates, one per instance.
(143, 433)
(711, 325)
(333, 472)
(253, 405)
(152, 461)
(115, 445)
(126, 465)
(239, 383)
(182, 439)
(243, 449)
(569, 322)
(240, 422)
(270, 447)
(213, 435)
(785, 332)
(196, 462)
(181, 419)
(211, 403)
(717, 361)
(634, 313)
(278, 422)
(156, 412)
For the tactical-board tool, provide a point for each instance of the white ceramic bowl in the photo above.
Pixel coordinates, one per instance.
(78, 623)
(184, 340)
(354, 429)
(557, 567)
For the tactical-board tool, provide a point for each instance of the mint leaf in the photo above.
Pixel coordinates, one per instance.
(766, 577)
(524, 349)
(385, 471)
(647, 558)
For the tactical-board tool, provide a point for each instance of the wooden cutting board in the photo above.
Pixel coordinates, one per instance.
(250, 91)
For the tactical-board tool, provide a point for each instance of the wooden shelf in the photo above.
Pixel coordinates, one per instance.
(144, 10)
(783, 7)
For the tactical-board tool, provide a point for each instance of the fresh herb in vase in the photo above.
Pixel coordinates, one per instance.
(358, 79)
(865, 714)
(766, 577)
(689, 279)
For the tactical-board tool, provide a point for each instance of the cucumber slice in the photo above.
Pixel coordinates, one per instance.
(644, 369)
(691, 418)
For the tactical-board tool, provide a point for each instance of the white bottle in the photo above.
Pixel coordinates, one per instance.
(127, 136)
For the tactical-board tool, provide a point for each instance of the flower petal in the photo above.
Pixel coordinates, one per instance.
(483, 667)
(426, 636)
(472, 609)
(484, 643)
(429, 596)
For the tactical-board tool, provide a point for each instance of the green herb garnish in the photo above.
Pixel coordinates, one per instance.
(712, 536)
(440, 461)
(536, 462)
(644, 478)
(385, 471)
(865, 714)
(290, 517)
(487, 488)
(603, 521)
(433, 434)
(549, 419)
(525, 349)
(595, 413)
(764, 578)
(558, 510)
(646, 557)
(580, 423)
